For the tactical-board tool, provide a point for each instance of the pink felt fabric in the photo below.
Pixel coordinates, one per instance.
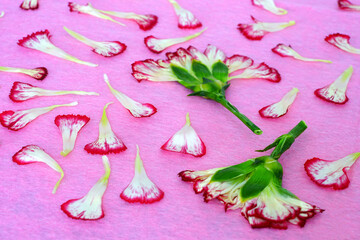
(30, 211)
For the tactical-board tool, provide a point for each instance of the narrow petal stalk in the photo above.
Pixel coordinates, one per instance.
(90, 10)
(69, 126)
(259, 71)
(342, 42)
(89, 207)
(106, 49)
(348, 6)
(157, 45)
(331, 173)
(21, 92)
(39, 73)
(141, 189)
(186, 19)
(336, 91)
(270, 6)
(257, 30)
(30, 5)
(19, 119)
(136, 109)
(40, 41)
(288, 51)
(107, 141)
(32, 154)
(145, 22)
(186, 141)
(280, 108)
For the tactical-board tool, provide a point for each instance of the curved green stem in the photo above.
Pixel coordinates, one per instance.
(222, 100)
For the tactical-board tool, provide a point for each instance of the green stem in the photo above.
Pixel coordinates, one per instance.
(222, 100)
(298, 129)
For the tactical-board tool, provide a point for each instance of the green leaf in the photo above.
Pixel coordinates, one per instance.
(258, 181)
(200, 70)
(183, 74)
(220, 71)
(233, 172)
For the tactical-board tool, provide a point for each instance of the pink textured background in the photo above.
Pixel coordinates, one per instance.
(29, 210)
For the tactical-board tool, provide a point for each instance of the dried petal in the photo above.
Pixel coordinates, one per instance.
(270, 6)
(348, 6)
(259, 71)
(342, 42)
(145, 22)
(287, 51)
(29, 5)
(186, 20)
(39, 73)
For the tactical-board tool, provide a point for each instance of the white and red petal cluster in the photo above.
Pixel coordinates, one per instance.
(29, 5)
(270, 208)
(239, 66)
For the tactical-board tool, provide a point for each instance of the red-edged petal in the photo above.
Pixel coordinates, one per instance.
(152, 70)
(336, 91)
(110, 49)
(90, 206)
(270, 6)
(186, 141)
(31, 41)
(238, 62)
(69, 126)
(29, 5)
(330, 173)
(141, 189)
(260, 71)
(280, 108)
(342, 41)
(136, 109)
(107, 141)
(348, 6)
(147, 22)
(32, 154)
(186, 19)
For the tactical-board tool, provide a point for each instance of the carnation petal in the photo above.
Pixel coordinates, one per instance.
(348, 6)
(19, 119)
(69, 126)
(136, 109)
(141, 189)
(280, 108)
(145, 22)
(186, 141)
(29, 5)
(259, 71)
(39, 73)
(186, 19)
(32, 154)
(270, 6)
(107, 141)
(152, 71)
(331, 173)
(257, 30)
(288, 51)
(342, 42)
(89, 207)
(336, 91)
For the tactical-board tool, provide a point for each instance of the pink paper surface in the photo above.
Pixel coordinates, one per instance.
(30, 211)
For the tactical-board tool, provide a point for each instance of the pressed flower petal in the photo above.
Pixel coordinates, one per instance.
(186, 19)
(145, 22)
(270, 6)
(106, 49)
(31, 154)
(157, 45)
(89, 207)
(19, 119)
(141, 189)
(136, 109)
(2, 13)
(348, 6)
(186, 140)
(21, 92)
(40, 41)
(331, 173)
(280, 108)
(342, 42)
(69, 126)
(259, 71)
(287, 51)
(90, 10)
(152, 71)
(39, 73)
(336, 91)
(30, 5)
(107, 141)
(257, 30)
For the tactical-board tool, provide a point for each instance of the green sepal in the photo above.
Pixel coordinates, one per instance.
(258, 181)
(200, 70)
(275, 167)
(220, 71)
(230, 173)
(183, 75)
(204, 94)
